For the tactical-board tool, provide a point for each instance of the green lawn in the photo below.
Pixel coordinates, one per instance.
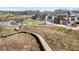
(32, 22)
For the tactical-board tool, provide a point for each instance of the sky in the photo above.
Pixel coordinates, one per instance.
(26, 8)
(41, 5)
(33, 8)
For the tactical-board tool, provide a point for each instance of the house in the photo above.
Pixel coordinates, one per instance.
(63, 19)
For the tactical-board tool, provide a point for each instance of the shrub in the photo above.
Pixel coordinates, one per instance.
(65, 30)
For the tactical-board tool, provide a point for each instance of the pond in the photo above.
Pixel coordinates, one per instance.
(9, 23)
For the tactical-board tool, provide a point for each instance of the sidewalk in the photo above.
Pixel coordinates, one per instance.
(73, 28)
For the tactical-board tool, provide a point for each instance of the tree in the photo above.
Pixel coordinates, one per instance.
(59, 11)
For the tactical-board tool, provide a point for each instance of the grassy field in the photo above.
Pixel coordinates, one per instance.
(7, 28)
(17, 42)
(32, 22)
(58, 37)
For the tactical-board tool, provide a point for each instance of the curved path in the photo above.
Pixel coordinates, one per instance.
(73, 28)
(42, 41)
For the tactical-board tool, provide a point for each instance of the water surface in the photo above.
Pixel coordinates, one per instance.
(9, 23)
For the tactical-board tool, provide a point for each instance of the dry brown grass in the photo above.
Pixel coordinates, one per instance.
(58, 37)
(10, 16)
(6, 28)
(17, 42)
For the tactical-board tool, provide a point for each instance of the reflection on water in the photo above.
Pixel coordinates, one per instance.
(9, 23)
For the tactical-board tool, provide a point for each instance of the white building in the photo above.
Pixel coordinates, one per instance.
(63, 19)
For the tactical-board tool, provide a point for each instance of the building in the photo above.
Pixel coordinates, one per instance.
(63, 19)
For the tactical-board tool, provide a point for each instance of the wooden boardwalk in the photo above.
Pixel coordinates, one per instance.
(44, 44)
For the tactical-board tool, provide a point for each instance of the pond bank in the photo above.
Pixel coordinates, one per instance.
(9, 23)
